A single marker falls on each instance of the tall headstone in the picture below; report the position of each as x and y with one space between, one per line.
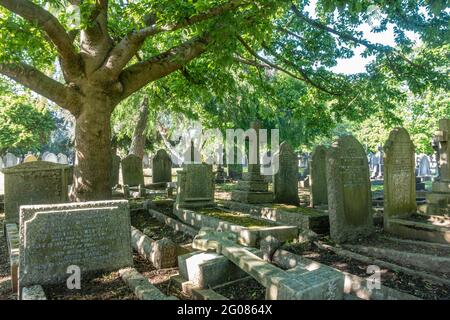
424 167
253 188
285 183
438 201
62 158
132 171
37 182
318 177
195 186
115 169
349 194
161 167
92 236
399 176
10 160
51 157
29 158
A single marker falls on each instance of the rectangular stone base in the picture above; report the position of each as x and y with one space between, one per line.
418 231
251 197
253 186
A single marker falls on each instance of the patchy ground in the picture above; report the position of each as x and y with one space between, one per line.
247 289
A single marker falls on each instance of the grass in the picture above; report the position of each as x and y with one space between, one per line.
236 218
296 209
226 187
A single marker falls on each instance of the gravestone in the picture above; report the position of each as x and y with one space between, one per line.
220 174
10 160
438 201
161 167
115 169
62 158
349 194
424 167
93 236
29 158
1 163
132 171
146 161
235 171
253 188
37 182
399 176
318 177
51 157
285 184
195 186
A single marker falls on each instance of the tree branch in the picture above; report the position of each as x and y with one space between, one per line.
28 76
54 30
277 67
138 75
130 44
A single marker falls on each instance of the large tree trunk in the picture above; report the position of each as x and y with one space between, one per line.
138 142
93 150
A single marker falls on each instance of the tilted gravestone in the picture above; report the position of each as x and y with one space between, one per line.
318 177
161 167
115 169
29 158
93 236
132 171
424 167
349 194
285 183
50 157
62 158
10 160
399 176
37 182
195 186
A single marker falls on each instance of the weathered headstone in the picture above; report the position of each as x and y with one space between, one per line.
195 186
36 182
29 158
349 194
10 160
253 188
62 158
285 183
161 167
220 174
56 239
424 167
115 169
438 201
318 177
51 157
399 176
146 161
132 171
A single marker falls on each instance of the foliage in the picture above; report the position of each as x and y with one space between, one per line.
25 124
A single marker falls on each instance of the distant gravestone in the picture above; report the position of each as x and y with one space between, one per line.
36 182
1 163
399 175
115 169
62 158
424 167
349 194
235 171
50 157
10 160
318 177
93 236
132 172
29 158
161 167
195 186
146 161
285 183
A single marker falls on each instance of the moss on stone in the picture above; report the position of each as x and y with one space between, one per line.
236 218
296 209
